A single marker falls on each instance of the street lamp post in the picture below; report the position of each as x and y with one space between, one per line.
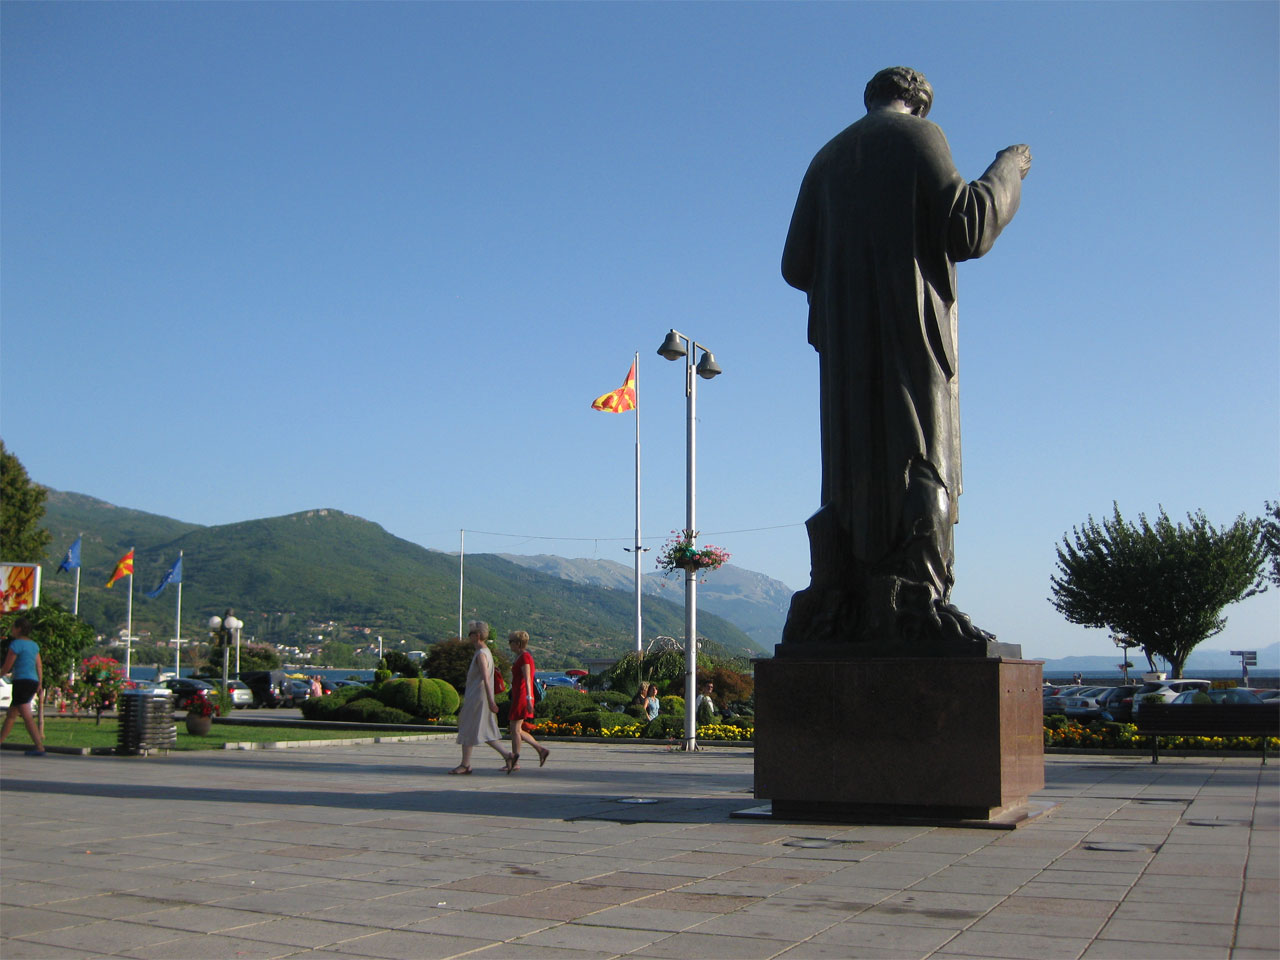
675 346
226 627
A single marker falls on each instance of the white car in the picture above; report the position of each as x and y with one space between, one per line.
1166 690
6 693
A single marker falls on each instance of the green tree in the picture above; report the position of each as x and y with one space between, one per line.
448 660
257 657
63 638
1270 536
21 508
1162 584
400 663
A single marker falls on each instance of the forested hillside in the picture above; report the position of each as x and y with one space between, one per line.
326 574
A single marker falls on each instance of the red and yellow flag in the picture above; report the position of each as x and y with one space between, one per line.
622 399
124 568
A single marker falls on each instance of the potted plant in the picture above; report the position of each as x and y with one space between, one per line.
200 713
682 553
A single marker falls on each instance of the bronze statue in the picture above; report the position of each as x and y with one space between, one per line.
881 221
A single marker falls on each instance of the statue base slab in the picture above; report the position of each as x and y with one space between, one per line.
920 739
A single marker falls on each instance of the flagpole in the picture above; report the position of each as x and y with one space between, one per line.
75 603
462 542
639 621
177 630
128 626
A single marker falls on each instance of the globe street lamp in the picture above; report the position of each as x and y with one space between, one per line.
675 346
227 626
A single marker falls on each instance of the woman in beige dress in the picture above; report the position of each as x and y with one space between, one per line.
478 723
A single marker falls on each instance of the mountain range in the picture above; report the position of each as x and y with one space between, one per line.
324 574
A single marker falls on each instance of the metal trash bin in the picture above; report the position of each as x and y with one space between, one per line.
146 723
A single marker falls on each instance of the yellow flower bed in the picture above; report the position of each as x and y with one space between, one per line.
1125 736
633 729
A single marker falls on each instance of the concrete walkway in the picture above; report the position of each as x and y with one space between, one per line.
373 851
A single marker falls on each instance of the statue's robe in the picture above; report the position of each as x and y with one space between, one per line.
881 220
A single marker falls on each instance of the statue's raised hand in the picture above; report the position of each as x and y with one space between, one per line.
1022 154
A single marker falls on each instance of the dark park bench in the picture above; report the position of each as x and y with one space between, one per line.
1157 720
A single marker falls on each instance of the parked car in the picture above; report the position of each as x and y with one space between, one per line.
1166 690
339 684
271 688
1117 703
301 689
1265 695
1056 702
241 695
146 686
1083 704
6 693
1230 695
185 688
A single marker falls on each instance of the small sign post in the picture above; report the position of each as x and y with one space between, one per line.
1248 658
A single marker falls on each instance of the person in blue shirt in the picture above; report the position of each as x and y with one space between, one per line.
23 661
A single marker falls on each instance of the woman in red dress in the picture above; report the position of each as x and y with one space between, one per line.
522 673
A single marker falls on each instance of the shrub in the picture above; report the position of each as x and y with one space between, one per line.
589 720
665 727
671 706
635 710
561 702
416 697
449 699
614 700
326 707
371 710
729 685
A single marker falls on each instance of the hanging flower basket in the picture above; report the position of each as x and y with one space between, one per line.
682 553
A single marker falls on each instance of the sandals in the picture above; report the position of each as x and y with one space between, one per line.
513 762
460 770
543 753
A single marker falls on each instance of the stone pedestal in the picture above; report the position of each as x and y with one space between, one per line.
898 738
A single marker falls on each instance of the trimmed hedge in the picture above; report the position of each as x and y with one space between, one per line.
419 697
324 708
561 702
371 710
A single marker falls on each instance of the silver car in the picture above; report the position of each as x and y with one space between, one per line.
1166 690
241 695
1083 704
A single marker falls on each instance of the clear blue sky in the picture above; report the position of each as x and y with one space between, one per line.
261 258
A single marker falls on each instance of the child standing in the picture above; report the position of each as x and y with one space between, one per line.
23 661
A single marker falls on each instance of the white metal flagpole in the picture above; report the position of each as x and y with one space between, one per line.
639 550
177 629
75 602
128 629
462 542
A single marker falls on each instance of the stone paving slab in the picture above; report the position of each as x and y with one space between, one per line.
370 850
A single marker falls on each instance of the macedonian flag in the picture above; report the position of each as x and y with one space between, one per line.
622 399
124 568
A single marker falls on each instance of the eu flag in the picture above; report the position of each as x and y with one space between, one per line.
173 576
72 560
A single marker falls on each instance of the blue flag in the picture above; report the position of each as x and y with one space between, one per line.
72 560
173 576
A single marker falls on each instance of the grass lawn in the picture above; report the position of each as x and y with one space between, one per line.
67 732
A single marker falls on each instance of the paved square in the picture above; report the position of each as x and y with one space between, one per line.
372 851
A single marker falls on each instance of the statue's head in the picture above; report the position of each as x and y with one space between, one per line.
899 83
